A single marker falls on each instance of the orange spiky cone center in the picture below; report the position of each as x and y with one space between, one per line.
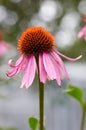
35 40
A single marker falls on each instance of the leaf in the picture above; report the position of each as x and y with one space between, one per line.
76 93
33 123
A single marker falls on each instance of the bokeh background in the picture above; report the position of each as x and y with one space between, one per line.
64 19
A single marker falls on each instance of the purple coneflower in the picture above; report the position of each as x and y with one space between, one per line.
37 49
4 46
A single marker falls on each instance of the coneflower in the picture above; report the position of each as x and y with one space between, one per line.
37 43
4 46
38 54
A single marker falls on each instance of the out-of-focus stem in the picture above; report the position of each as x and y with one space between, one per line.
83 117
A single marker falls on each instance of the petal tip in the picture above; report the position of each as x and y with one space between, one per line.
8 75
79 57
21 86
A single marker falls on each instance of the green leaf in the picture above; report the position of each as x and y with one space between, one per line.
33 123
76 93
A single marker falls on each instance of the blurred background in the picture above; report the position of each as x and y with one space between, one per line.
64 19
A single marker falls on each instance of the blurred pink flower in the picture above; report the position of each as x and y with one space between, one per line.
84 19
4 46
82 33
37 44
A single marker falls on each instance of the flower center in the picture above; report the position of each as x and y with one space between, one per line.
35 40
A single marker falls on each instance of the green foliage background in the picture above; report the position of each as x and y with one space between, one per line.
26 9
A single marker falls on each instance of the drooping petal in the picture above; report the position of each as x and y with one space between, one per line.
29 73
12 72
68 58
17 62
60 62
58 72
43 74
48 65
17 67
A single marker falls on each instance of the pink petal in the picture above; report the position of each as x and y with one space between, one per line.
68 58
17 67
29 73
12 72
60 62
82 33
58 72
43 74
48 65
58 68
17 62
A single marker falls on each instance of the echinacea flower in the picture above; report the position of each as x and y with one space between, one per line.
38 44
84 18
4 46
82 33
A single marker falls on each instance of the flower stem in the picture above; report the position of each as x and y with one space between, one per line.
41 105
83 117
41 100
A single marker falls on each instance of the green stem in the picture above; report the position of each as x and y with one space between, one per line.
41 105
41 100
83 117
